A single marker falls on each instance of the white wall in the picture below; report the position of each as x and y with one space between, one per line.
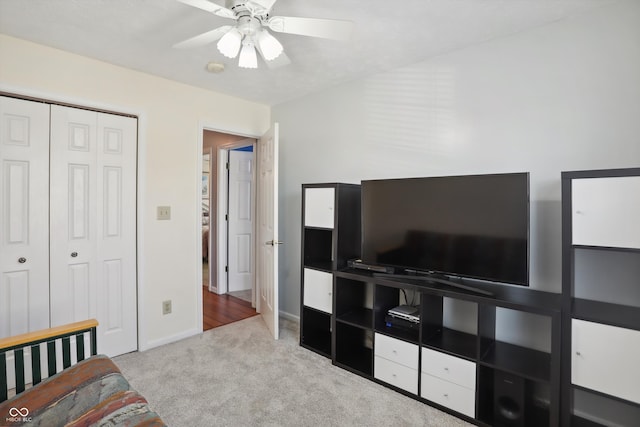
565 96
171 118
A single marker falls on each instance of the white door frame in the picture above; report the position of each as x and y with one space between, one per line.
222 198
209 252
202 127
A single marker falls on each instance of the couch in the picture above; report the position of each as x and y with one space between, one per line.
90 392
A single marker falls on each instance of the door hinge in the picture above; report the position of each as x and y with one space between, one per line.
226 217
227 165
226 268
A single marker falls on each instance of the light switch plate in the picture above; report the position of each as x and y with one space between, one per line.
166 307
164 212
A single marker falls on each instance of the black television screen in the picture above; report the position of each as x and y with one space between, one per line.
474 226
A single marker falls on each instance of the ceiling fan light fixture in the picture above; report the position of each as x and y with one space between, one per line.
270 47
229 44
251 35
248 57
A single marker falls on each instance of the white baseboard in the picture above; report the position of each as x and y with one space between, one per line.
595 419
290 316
192 332
168 340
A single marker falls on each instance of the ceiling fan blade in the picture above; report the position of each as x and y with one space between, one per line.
210 7
267 4
259 7
204 38
312 27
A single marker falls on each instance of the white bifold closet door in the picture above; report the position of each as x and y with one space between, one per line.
93 224
24 216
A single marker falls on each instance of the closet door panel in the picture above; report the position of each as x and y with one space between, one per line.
93 223
116 222
74 291
68 221
79 290
24 213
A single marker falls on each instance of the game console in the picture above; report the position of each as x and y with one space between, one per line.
405 312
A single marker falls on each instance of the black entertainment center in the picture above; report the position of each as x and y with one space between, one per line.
360 272
411 282
401 299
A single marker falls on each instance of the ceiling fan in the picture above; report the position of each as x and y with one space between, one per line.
251 33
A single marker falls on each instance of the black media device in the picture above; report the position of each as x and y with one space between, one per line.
404 317
358 264
474 226
398 323
508 400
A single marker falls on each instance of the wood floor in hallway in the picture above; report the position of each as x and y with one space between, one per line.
220 310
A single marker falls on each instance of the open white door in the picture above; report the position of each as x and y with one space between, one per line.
267 234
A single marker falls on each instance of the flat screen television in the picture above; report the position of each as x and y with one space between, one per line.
474 226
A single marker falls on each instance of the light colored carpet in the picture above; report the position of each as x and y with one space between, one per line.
237 375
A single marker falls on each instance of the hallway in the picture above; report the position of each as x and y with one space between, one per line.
220 310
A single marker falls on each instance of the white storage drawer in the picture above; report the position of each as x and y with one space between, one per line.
396 374
397 351
318 290
605 358
319 207
445 393
449 368
606 211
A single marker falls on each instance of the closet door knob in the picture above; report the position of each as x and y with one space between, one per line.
22 260
74 254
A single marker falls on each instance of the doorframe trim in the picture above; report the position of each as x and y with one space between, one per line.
223 206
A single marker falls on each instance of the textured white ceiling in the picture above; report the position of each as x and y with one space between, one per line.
139 34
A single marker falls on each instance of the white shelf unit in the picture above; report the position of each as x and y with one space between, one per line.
601 297
330 237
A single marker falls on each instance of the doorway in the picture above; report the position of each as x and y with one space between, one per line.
240 222
228 209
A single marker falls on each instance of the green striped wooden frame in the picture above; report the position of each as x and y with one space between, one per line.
19 343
